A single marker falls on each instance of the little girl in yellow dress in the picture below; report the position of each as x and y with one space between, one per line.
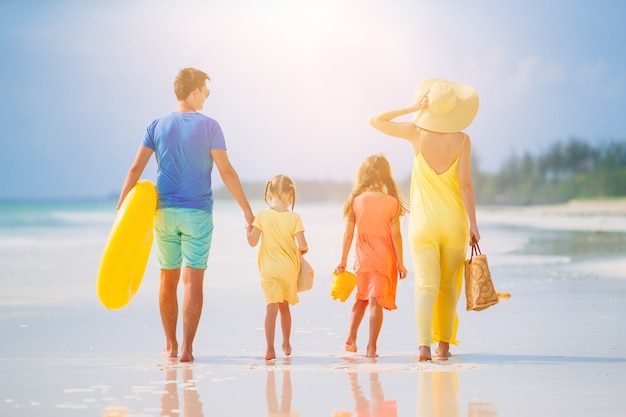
279 257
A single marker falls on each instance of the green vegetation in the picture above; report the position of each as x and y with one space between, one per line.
566 171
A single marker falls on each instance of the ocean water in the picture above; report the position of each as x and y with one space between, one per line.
62 353
50 251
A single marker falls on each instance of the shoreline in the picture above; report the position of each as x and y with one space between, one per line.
613 206
557 335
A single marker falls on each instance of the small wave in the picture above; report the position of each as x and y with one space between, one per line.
83 217
20 216
537 260
553 219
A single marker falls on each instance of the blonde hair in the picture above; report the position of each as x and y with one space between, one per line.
374 175
280 186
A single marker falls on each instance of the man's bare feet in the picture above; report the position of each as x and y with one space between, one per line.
186 356
425 353
170 352
270 354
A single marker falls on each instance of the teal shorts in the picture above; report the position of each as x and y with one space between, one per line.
183 237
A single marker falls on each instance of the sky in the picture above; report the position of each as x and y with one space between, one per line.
294 82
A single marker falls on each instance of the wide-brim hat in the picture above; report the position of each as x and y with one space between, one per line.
451 106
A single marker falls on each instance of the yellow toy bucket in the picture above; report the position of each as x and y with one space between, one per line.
342 286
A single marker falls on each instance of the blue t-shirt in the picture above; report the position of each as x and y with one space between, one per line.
182 143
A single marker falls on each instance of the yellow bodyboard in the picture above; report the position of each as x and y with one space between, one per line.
127 250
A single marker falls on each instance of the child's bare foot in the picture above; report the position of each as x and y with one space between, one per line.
270 354
425 353
350 348
287 349
350 345
371 352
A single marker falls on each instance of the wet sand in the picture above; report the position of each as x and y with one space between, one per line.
557 346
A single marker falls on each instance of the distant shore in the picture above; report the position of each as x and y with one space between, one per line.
599 206
607 215
613 206
332 191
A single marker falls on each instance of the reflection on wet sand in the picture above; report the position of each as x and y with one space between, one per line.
377 406
438 396
170 406
275 407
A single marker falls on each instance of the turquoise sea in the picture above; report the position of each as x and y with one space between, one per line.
558 341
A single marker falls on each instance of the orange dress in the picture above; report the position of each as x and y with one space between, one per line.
376 263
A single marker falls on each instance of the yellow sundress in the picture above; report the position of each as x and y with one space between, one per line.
278 257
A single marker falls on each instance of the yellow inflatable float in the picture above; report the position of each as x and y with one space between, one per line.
127 250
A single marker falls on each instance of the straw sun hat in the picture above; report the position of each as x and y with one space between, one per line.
451 106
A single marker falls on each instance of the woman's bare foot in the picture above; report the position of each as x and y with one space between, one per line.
443 351
425 353
287 348
270 354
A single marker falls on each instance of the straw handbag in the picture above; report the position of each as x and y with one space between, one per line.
305 275
479 290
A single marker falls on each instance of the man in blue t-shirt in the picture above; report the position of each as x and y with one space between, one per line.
186 144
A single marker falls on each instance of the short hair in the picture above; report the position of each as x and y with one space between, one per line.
280 186
187 80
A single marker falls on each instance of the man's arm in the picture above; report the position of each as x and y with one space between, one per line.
231 181
136 169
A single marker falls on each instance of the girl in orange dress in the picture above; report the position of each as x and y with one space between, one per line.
373 210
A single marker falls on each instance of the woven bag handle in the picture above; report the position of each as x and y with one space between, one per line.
476 250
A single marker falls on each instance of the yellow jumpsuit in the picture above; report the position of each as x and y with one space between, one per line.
438 237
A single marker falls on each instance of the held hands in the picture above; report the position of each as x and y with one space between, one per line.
249 218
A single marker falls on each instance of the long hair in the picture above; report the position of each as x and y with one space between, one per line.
280 185
374 174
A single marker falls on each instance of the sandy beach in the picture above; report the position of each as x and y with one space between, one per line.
557 346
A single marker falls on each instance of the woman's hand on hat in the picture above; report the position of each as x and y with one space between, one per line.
419 103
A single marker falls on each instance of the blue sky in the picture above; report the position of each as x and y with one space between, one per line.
294 82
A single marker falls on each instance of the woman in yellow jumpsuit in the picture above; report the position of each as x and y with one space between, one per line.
443 214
